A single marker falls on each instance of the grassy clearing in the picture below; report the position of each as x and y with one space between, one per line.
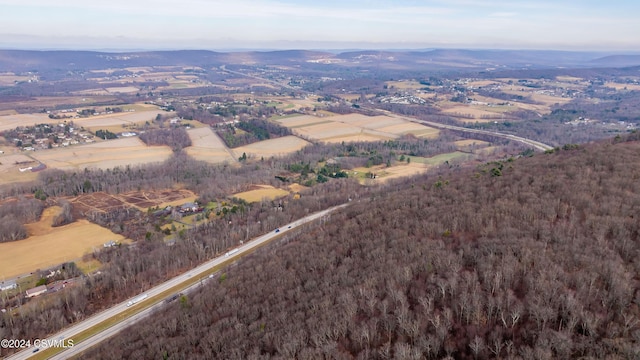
438 159
404 85
266 192
89 266
297 187
470 144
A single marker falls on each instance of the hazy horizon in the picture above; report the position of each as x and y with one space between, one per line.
272 25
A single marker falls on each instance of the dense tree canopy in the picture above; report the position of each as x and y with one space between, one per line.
540 262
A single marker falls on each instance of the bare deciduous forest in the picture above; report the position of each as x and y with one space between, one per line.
175 137
535 258
16 213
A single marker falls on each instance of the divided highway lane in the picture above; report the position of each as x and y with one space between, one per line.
120 308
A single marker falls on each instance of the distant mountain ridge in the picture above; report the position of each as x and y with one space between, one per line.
619 60
29 60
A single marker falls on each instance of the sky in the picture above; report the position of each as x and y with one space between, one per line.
321 24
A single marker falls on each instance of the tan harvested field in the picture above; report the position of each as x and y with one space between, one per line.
301 103
51 101
481 83
399 171
619 86
404 85
8 122
8 79
324 113
122 89
475 110
369 122
186 77
302 121
12 121
410 128
362 137
99 91
295 187
11 162
348 97
104 155
384 173
52 246
8 112
273 147
490 150
328 130
568 78
470 143
262 192
207 146
477 113
10 165
117 119
541 108
545 99
354 127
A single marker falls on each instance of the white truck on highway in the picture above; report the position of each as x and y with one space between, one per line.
229 253
137 300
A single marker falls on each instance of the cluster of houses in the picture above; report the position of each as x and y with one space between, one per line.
184 209
38 290
44 136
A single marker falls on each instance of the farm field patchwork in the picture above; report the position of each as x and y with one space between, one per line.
104 155
354 127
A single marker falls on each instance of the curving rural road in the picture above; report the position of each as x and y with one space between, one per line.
535 144
74 330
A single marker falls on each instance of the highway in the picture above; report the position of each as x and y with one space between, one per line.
105 315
